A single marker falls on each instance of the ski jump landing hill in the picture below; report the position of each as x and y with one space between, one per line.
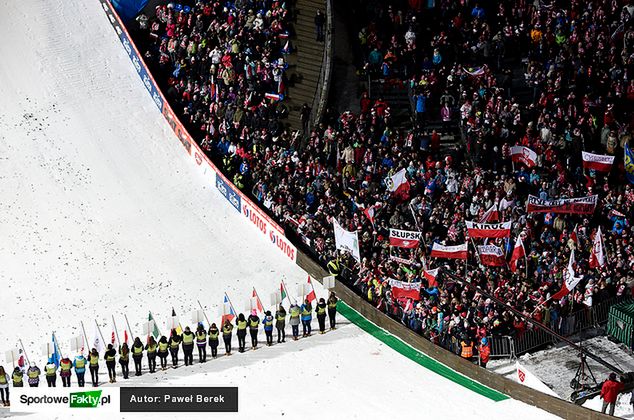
102 213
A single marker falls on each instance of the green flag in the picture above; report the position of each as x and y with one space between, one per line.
155 331
282 291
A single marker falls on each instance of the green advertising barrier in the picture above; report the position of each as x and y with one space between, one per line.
621 323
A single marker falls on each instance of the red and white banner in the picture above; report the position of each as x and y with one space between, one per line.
488 230
600 163
267 227
401 289
579 205
404 238
570 281
453 251
431 275
491 255
521 154
597 256
518 252
397 182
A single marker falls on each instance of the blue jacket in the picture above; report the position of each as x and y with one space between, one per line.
80 370
267 319
306 317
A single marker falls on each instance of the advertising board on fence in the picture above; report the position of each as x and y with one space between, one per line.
227 190
239 201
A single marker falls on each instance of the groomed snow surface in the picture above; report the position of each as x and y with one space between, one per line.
102 213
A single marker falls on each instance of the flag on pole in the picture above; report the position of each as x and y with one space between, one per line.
597 257
55 356
575 236
524 155
228 312
155 331
311 295
600 163
178 328
370 213
518 252
431 275
97 342
491 215
452 251
346 241
284 293
491 255
397 183
570 281
260 307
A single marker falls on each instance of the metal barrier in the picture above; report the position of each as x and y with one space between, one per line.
501 346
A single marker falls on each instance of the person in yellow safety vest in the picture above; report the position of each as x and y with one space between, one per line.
51 373
110 356
213 339
163 345
268 327
294 320
137 356
238 181
65 366
4 387
80 369
332 309
227 328
201 343
174 341
334 268
151 348
18 377
241 323
124 360
93 365
320 310
254 324
466 351
280 324
33 374
188 346
307 317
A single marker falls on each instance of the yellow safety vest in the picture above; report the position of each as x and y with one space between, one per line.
17 379
50 369
137 350
321 310
3 379
280 316
162 347
65 366
242 325
94 360
226 329
80 363
201 336
33 373
295 312
332 303
188 338
213 334
174 344
254 323
151 348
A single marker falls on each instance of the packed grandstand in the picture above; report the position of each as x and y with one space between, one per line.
539 94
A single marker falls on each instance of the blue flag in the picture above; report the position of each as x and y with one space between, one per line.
629 164
56 356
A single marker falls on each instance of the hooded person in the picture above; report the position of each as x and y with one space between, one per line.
280 324
51 373
320 311
188 346
254 324
268 327
241 325
137 355
65 367
294 319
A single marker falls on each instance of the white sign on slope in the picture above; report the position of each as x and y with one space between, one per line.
525 377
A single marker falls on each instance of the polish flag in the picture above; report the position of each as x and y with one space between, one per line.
491 215
454 251
370 213
491 255
521 154
311 295
488 230
600 163
570 281
397 183
259 305
431 275
404 238
597 257
518 252
575 235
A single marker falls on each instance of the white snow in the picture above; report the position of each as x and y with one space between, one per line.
102 213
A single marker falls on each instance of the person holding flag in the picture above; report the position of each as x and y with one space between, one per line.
137 356
51 372
254 324
94 366
227 329
201 343
268 327
33 375
174 342
332 309
80 369
241 323
151 349
124 360
17 377
213 339
65 366
294 319
320 310
280 323
110 357
163 345
188 346
307 317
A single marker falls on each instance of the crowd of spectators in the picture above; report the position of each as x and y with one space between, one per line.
461 59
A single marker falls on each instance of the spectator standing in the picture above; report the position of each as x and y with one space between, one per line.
320 22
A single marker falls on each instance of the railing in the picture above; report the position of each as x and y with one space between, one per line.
566 326
321 97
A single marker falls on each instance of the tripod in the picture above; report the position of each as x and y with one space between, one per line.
583 375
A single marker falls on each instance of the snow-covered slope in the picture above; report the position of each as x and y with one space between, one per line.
101 214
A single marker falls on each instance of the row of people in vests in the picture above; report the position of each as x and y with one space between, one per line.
187 340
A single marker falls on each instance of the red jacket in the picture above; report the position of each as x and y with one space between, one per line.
610 390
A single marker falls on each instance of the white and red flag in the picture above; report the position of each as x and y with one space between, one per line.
404 238
522 154
518 252
491 215
597 256
570 281
401 289
397 183
311 295
488 230
431 275
258 303
600 163
574 235
453 252
491 255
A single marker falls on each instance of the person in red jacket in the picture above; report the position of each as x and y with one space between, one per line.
484 349
609 392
